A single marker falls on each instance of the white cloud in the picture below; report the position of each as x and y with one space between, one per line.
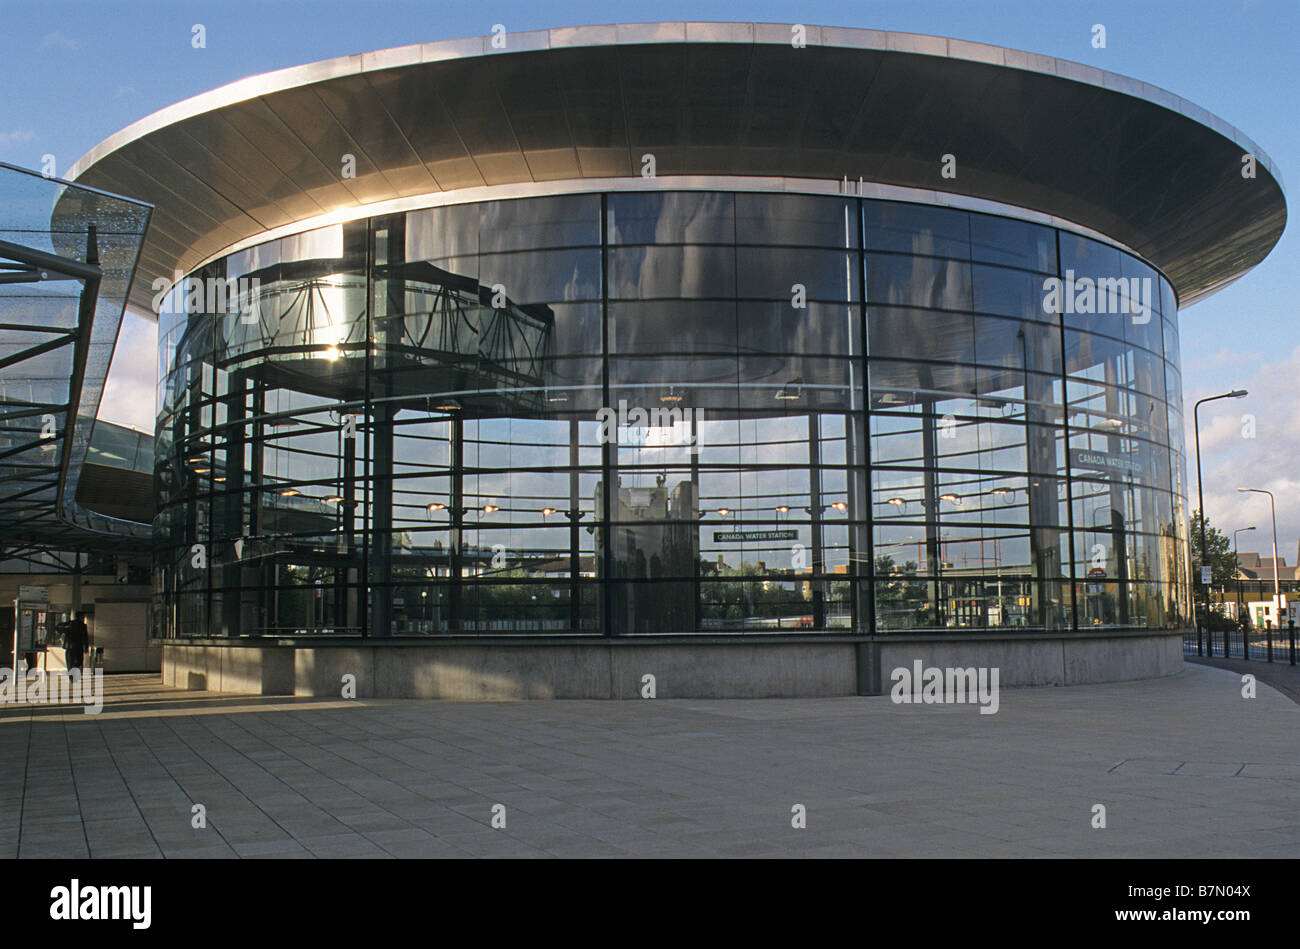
16 137
1268 460
129 392
59 40
1224 358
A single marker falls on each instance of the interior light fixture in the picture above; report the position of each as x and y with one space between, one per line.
671 394
547 511
840 506
490 508
447 405
897 502
289 492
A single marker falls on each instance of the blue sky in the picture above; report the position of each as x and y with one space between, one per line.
75 72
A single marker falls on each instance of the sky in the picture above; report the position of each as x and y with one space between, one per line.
76 72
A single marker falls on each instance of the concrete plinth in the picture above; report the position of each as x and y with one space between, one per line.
681 668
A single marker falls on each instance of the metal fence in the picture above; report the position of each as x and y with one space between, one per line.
1266 645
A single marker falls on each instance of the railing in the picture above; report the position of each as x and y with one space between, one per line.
1266 645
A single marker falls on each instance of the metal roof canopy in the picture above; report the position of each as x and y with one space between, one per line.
1111 154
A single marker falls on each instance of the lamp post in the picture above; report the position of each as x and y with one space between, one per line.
1277 592
1200 495
1236 563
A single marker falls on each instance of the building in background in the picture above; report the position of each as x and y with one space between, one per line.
1251 596
677 349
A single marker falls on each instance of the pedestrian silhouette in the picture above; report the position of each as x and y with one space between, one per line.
76 639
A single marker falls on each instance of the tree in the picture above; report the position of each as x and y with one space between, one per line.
901 598
1223 566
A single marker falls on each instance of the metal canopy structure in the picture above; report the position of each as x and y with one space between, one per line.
1118 156
62 292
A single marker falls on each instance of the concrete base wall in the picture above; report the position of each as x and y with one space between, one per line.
604 670
122 629
255 670
1026 662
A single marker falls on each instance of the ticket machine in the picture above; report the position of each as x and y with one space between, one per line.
34 624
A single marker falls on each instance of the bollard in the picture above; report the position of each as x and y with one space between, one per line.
1268 631
1290 627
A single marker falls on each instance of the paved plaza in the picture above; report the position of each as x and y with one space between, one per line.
1184 766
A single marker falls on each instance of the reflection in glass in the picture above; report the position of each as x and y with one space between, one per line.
724 414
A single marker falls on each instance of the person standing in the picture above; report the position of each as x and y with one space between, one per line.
78 639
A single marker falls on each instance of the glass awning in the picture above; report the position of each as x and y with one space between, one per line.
67 257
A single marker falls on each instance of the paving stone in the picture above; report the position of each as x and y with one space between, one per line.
1184 767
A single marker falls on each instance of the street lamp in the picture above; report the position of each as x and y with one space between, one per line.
1236 563
1277 592
1200 494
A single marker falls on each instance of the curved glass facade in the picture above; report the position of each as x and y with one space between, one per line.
671 412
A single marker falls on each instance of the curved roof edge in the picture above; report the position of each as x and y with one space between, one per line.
1111 154
624 34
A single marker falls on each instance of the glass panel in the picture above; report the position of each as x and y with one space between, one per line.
999 240
916 229
796 220
920 334
777 273
1009 293
821 329
569 221
547 276
442 233
671 217
918 281
639 273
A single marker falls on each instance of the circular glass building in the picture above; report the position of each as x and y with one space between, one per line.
677 349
